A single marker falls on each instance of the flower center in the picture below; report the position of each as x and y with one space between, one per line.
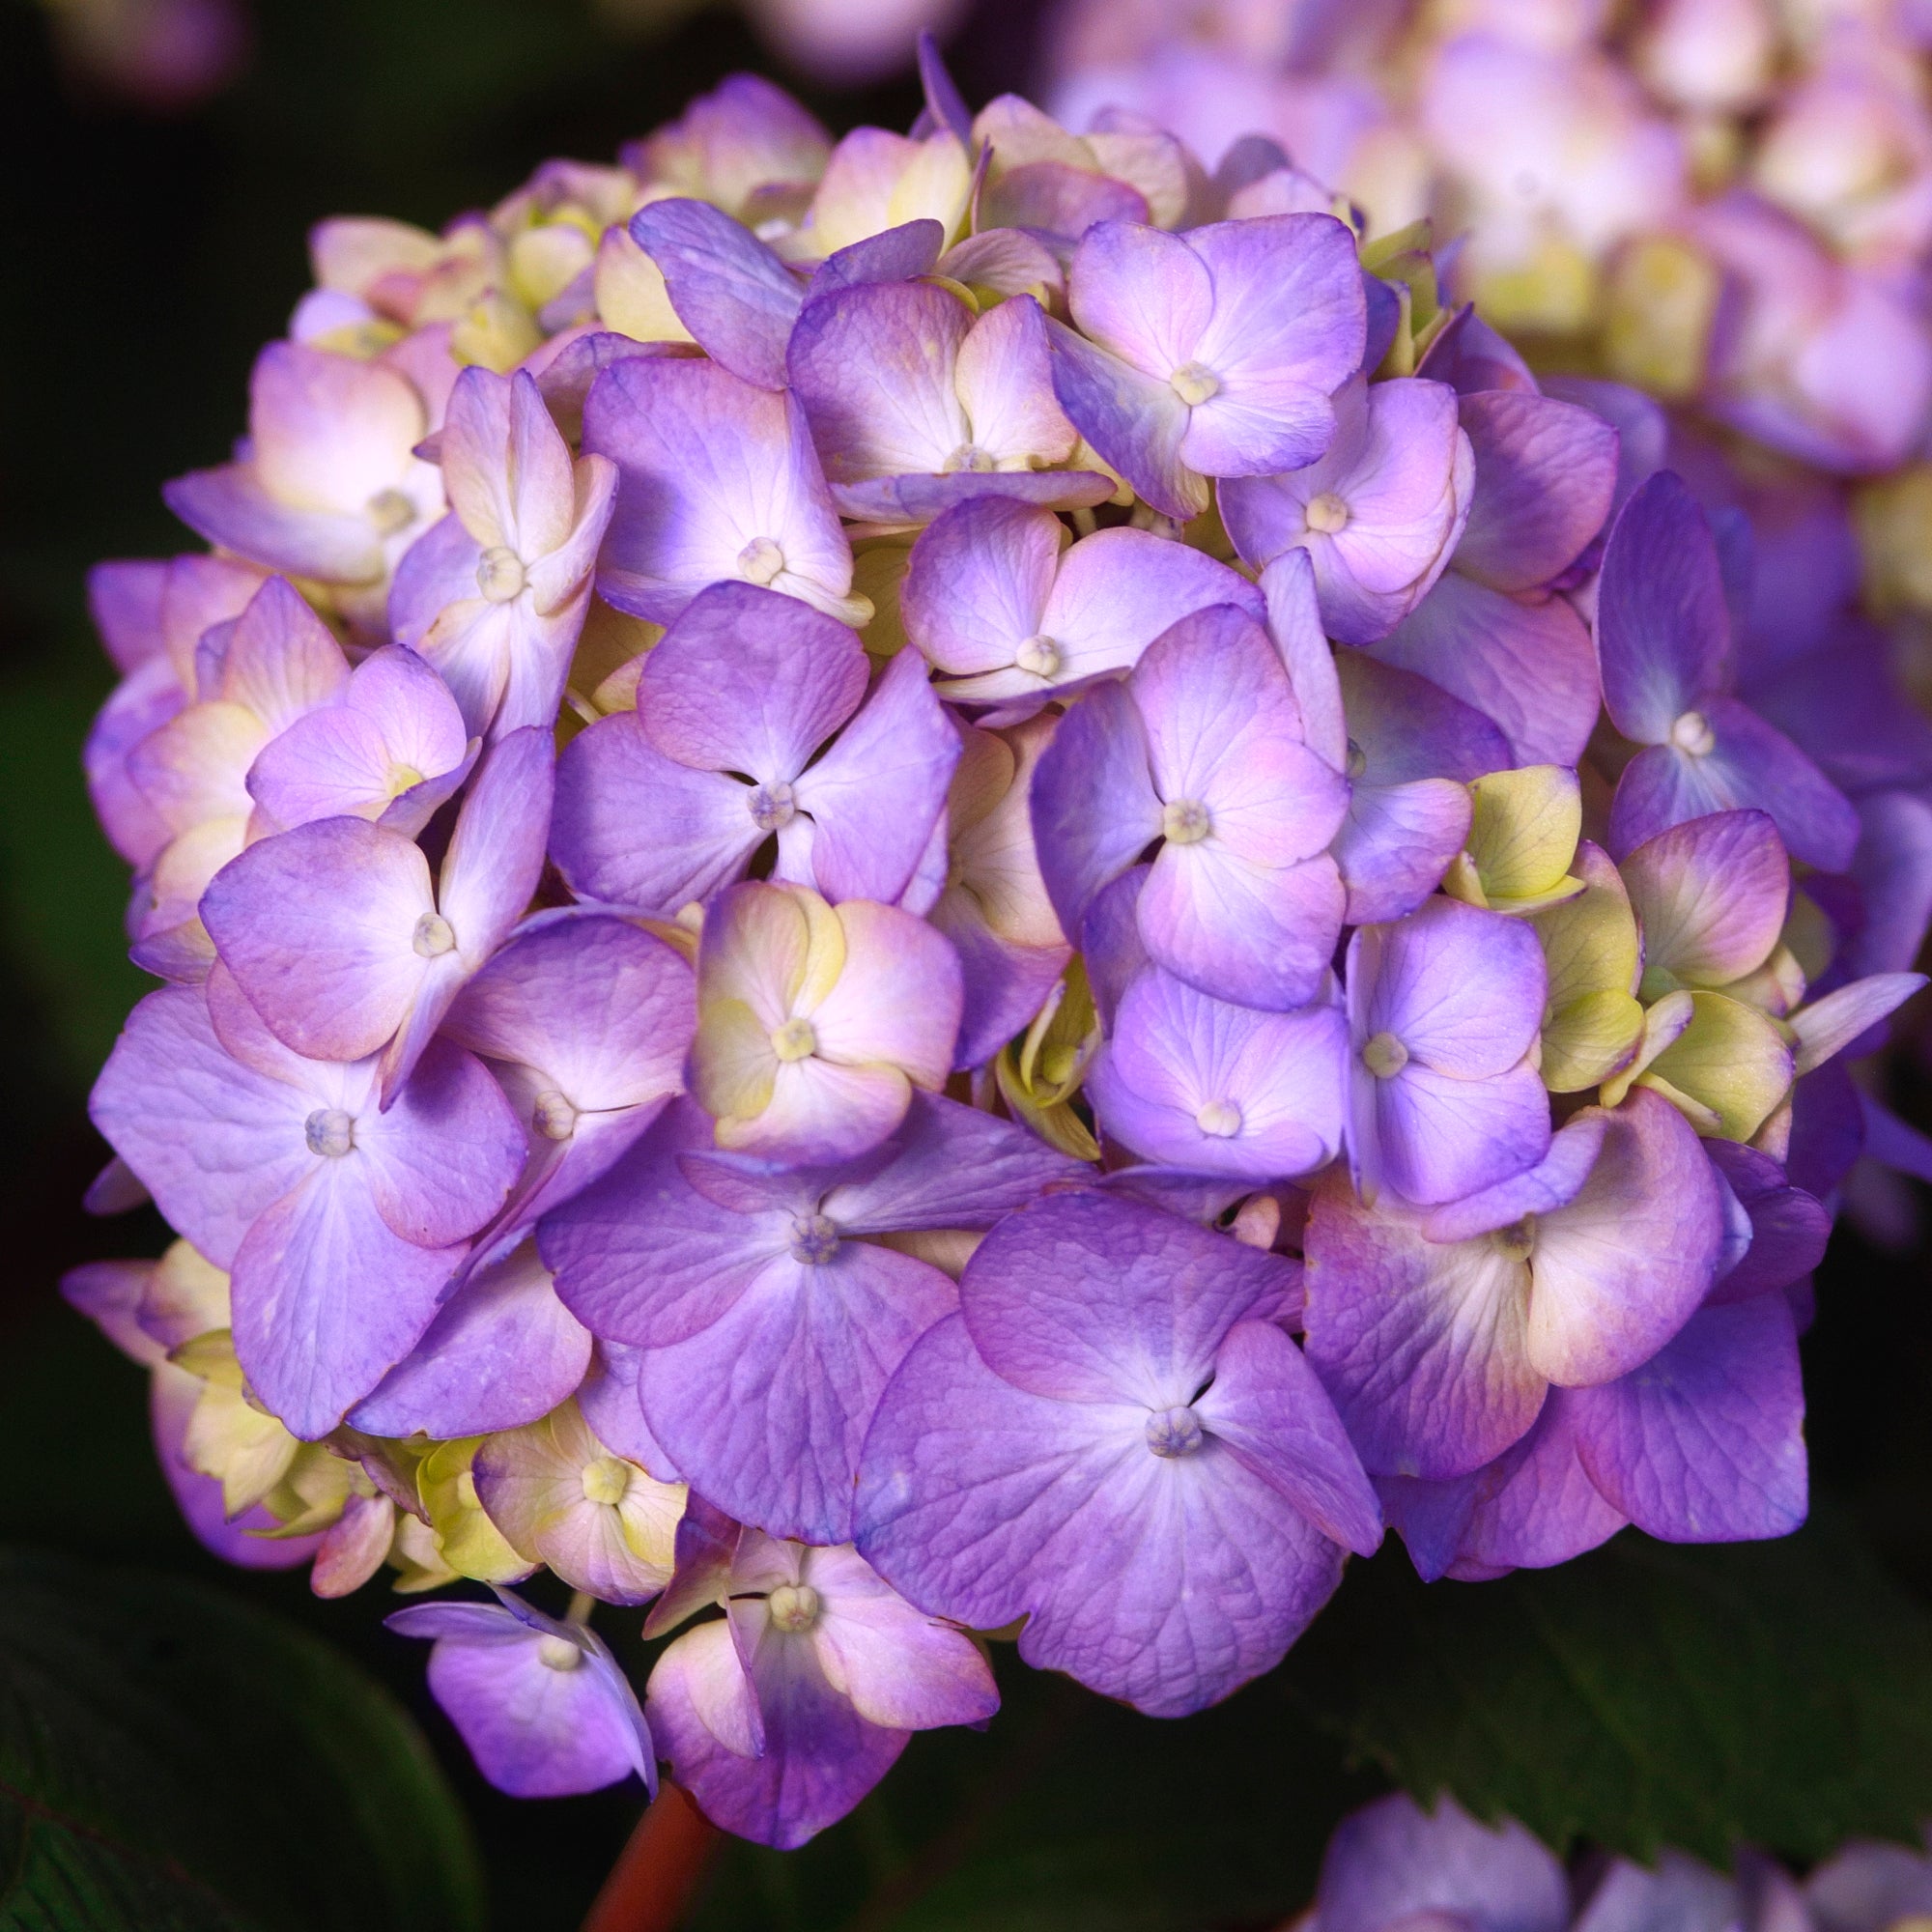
1692 733
1384 1055
969 456
1194 384
1038 655
390 511
795 1040
433 937
329 1132
1174 1432
1220 1118
606 1480
554 1115
1184 821
793 1607
760 560
1515 1242
771 807
499 574
815 1239
558 1653
402 779
1327 513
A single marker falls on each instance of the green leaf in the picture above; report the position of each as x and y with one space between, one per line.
1645 1695
173 1762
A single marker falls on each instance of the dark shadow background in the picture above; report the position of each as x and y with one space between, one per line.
142 263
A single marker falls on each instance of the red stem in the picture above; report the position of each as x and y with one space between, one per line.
657 1872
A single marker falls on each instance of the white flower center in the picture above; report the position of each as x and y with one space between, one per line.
558 1653
433 937
329 1132
795 1040
1220 1118
554 1114
760 560
969 456
1038 655
1184 821
793 1607
499 574
1174 1432
606 1480
1692 733
1327 513
1384 1055
771 807
1194 384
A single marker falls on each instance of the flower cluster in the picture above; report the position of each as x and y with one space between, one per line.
1393 1863
1722 200
946 886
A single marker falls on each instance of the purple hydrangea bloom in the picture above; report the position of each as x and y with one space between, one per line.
769 1305
1115 1440
999 601
338 938
915 405
1663 635
496 594
392 749
1439 1331
339 1221
1199 1084
716 479
1202 749
782 1713
1213 353
1443 1011
1380 513
753 720
1393 1863
542 1704
586 1020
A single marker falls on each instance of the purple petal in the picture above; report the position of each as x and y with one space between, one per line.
985 1504
1212 1088
535 1731
1663 629
876 795
214 1140
764 1409
502 1350
1534 1507
1055 198
1788 1227
497 852
1086 1298
1142 295
977 582
1439 1137
716 479
893 255
1710 896
1528 665
1463 989
1093 802
317 926
737 298
1392 1862
1545 472
1136 421
1423 1346
328 1298
610 781
1705 1443
820 1757
1268 1408
1396 843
